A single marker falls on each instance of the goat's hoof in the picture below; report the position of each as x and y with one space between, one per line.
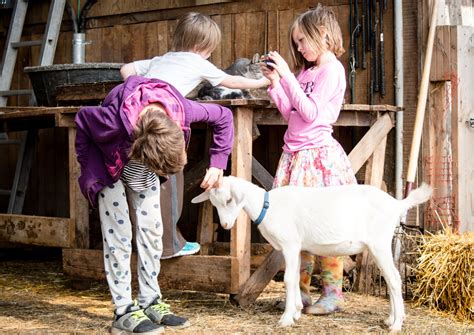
286 322
388 321
396 327
297 315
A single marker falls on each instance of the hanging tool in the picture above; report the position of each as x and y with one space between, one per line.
364 32
421 105
382 50
375 62
354 29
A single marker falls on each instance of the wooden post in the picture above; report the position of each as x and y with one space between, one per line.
241 167
78 204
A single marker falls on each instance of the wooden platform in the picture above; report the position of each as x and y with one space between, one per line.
225 274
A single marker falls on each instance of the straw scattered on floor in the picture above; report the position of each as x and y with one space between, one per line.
445 274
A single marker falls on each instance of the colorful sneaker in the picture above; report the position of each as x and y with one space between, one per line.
134 321
190 248
160 313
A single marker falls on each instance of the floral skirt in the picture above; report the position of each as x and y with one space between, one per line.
318 167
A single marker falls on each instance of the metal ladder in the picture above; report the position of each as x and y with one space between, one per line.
27 141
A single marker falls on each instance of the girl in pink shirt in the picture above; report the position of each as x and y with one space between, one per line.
310 103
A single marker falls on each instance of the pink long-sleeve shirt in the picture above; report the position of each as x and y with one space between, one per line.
310 104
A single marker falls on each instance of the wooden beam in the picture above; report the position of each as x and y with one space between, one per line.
197 273
37 230
366 146
78 204
250 291
261 174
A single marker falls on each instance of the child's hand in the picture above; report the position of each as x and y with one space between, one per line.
279 64
212 179
271 75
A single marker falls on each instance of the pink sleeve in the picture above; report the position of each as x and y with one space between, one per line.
281 100
326 95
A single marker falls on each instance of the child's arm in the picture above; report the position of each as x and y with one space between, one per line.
221 120
276 92
320 99
127 70
243 82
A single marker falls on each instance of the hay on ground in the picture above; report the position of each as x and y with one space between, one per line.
445 273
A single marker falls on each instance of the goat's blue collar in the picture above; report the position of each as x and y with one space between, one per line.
266 204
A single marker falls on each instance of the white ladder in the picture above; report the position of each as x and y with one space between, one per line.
48 43
13 42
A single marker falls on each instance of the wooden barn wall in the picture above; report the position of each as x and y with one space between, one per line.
123 31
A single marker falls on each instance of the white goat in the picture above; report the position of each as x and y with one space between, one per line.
327 221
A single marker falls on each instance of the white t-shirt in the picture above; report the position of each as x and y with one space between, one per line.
183 70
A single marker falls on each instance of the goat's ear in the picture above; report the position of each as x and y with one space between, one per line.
201 198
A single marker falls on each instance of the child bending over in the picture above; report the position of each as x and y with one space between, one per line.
138 133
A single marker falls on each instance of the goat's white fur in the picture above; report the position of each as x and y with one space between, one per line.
327 221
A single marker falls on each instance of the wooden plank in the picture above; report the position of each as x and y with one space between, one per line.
463 132
206 227
78 205
36 230
241 167
366 146
375 165
250 291
197 273
84 94
261 174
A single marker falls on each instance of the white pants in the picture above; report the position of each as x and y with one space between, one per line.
116 223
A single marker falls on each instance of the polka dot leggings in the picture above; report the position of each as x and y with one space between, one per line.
116 223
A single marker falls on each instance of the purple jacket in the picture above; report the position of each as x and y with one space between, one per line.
104 135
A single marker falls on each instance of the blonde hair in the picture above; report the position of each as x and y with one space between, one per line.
314 24
159 143
196 32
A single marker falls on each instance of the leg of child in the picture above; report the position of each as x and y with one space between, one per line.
171 208
306 272
146 213
117 235
331 299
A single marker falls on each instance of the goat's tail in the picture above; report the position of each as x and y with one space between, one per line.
418 196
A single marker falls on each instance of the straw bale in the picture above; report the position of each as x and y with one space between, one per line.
445 274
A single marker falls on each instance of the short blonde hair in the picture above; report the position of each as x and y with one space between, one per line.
159 143
196 32
313 24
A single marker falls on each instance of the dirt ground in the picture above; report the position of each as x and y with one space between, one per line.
37 298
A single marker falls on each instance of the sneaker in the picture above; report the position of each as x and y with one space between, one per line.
160 313
134 321
190 248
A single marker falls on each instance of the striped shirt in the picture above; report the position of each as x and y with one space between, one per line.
138 176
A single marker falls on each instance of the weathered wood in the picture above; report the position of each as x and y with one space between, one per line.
261 174
250 291
241 166
206 227
78 205
37 230
84 94
198 273
366 146
193 177
375 165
